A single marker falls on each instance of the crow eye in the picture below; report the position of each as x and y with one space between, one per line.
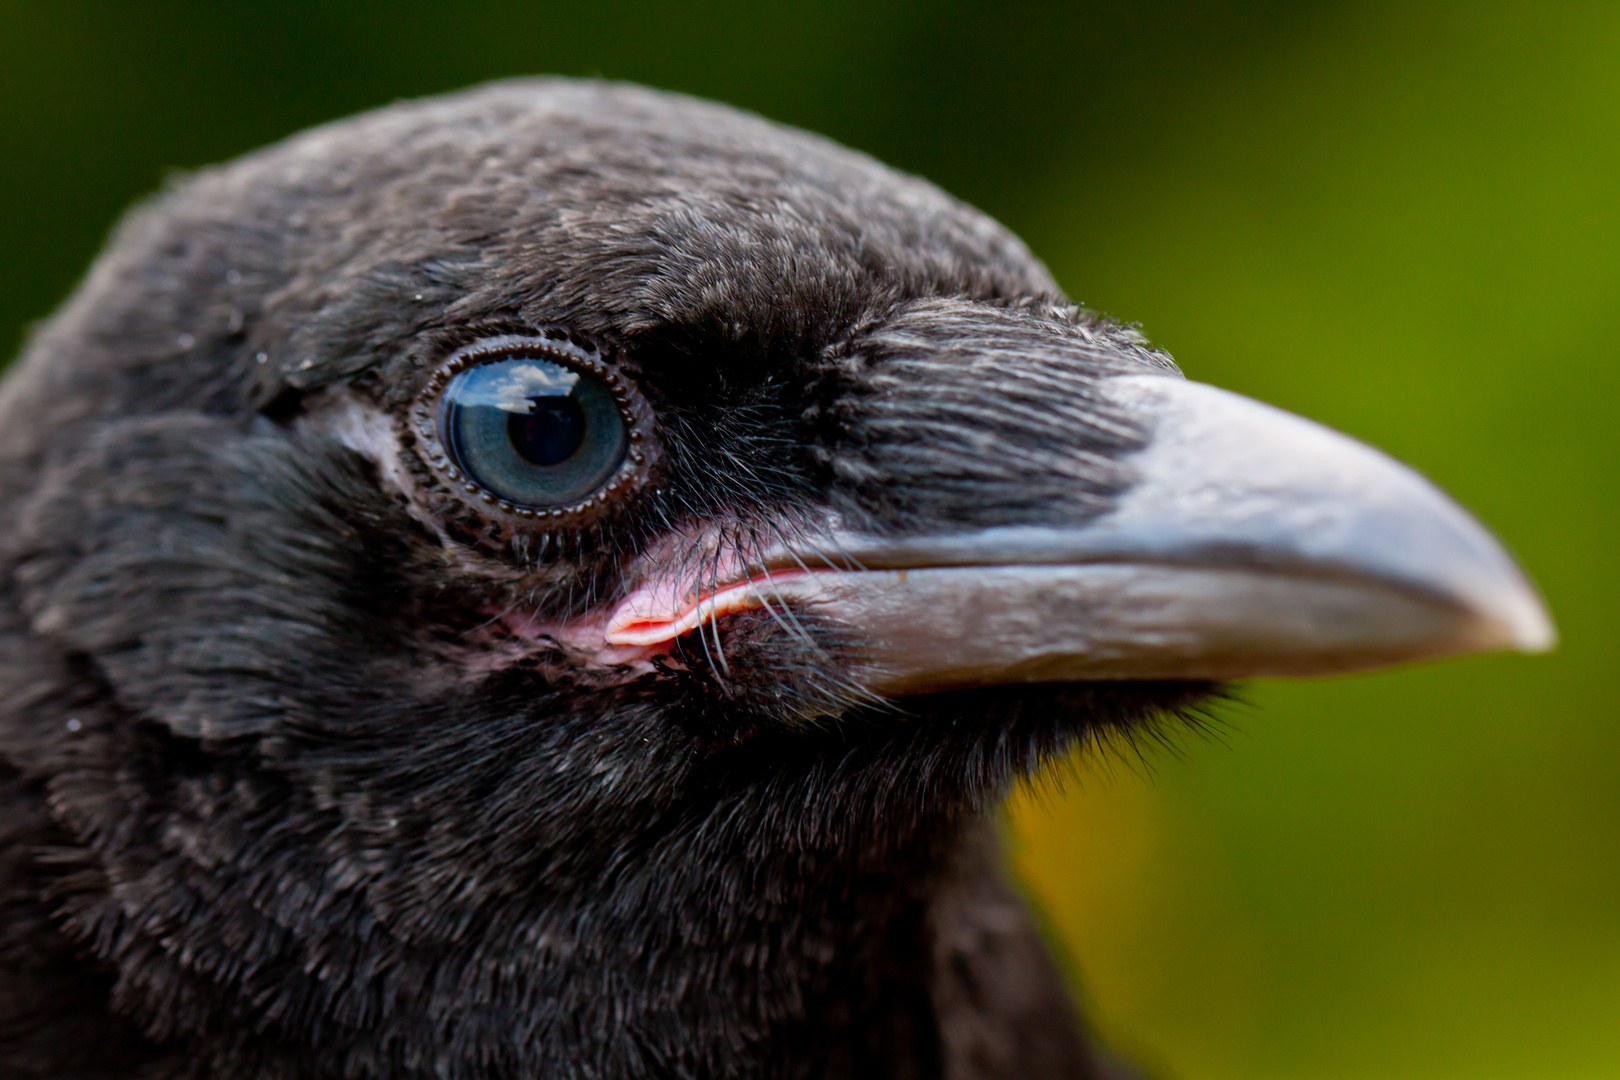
532 424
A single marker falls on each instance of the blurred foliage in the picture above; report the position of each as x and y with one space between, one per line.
1403 220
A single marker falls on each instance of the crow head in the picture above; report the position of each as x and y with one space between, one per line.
541 582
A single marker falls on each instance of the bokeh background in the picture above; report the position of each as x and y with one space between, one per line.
1401 219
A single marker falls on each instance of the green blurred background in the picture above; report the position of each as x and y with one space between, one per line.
1401 219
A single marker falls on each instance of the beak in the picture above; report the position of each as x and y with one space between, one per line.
1250 542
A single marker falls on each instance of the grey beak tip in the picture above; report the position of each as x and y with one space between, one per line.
1283 477
1522 622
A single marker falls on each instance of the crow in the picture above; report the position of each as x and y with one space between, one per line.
553 581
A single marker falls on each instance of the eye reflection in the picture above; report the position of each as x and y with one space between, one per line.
532 431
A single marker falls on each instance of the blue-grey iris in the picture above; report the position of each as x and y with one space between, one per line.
532 431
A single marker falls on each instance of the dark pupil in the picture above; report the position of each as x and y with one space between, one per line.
551 433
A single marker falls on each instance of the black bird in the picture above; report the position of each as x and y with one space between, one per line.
549 582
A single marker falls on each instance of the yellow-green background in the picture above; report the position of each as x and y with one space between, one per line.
1400 218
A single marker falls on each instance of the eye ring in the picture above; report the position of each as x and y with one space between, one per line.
553 348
